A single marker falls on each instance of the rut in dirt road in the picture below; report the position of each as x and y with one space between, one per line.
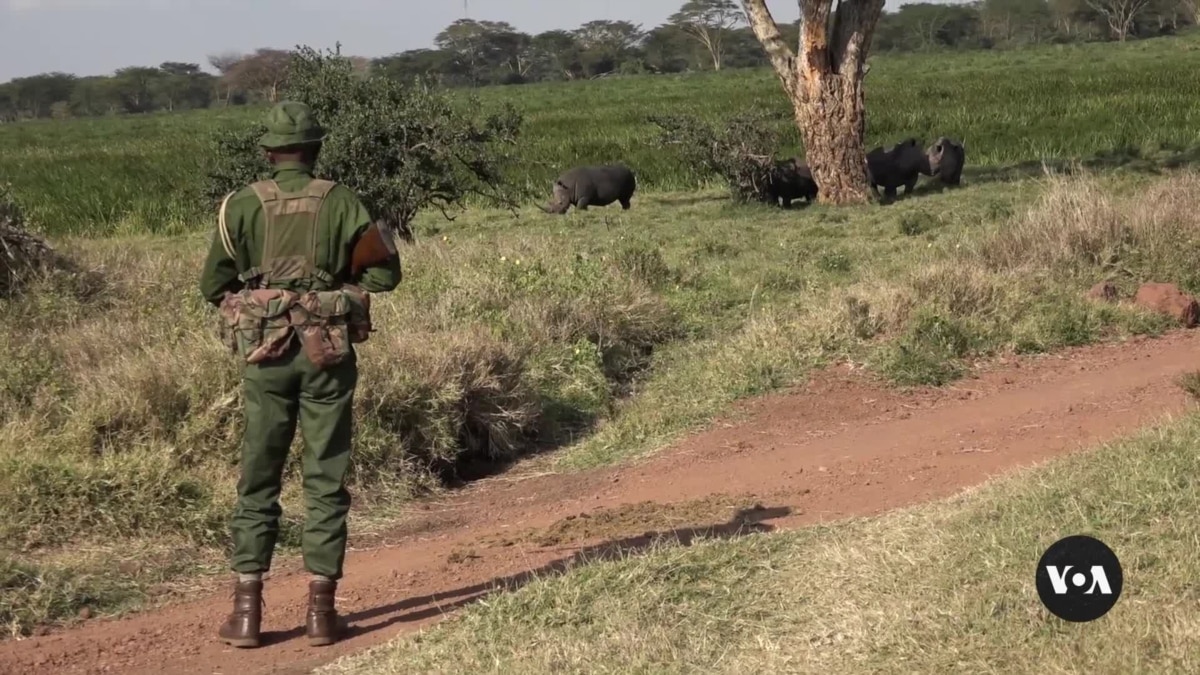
840 446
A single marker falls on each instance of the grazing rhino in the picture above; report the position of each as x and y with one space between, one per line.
901 164
585 186
791 179
946 159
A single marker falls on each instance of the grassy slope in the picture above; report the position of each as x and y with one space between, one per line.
940 588
492 330
541 324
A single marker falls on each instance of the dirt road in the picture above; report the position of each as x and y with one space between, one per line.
840 446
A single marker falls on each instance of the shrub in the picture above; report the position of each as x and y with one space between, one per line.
741 150
402 147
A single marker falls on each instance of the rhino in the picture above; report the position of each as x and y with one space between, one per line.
585 186
946 159
791 179
901 164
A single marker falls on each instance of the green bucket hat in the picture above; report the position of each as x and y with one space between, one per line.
291 123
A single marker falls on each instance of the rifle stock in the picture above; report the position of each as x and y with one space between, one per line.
376 246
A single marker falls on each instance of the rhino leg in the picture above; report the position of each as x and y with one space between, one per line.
585 195
955 176
873 178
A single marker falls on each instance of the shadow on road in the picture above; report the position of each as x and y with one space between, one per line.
744 522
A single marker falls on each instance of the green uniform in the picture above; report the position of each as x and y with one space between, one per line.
290 390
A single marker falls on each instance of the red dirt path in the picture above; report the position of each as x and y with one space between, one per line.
840 446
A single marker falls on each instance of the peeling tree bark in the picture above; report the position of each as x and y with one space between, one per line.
824 80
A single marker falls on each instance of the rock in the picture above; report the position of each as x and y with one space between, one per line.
1170 300
1104 291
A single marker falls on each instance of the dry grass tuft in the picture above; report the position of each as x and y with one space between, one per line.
1079 228
466 399
1190 383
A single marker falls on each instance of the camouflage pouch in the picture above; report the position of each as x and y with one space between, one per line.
359 318
322 322
257 324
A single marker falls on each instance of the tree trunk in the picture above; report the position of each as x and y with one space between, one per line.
832 123
824 81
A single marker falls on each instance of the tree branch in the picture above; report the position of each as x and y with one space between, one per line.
767 32
854 24
815 58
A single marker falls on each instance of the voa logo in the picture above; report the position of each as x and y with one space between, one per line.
1058 579
1079 578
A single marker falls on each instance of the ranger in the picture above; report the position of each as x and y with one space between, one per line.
288 273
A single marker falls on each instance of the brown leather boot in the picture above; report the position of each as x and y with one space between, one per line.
244 625
322 622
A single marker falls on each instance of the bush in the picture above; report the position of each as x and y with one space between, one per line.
741 151
402 147
22 253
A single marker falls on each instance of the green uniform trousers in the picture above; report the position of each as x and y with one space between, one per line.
278 394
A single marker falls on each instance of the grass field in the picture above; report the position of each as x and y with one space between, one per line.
946 587
1107 102
604 334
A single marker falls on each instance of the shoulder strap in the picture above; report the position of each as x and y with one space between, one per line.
319 188
267 190
223 227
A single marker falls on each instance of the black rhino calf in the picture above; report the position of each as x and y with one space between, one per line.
585 186
791 179
946 160
901 164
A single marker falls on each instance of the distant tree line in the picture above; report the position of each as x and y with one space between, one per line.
701 35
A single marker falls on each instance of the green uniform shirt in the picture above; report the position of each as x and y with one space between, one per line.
342 220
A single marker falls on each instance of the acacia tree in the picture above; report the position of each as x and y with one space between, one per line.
824 80
264 71
557 52
708 22
606 45
224 64
1120 14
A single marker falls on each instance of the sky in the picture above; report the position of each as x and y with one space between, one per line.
95 37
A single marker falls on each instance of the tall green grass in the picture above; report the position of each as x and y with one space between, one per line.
1110 102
